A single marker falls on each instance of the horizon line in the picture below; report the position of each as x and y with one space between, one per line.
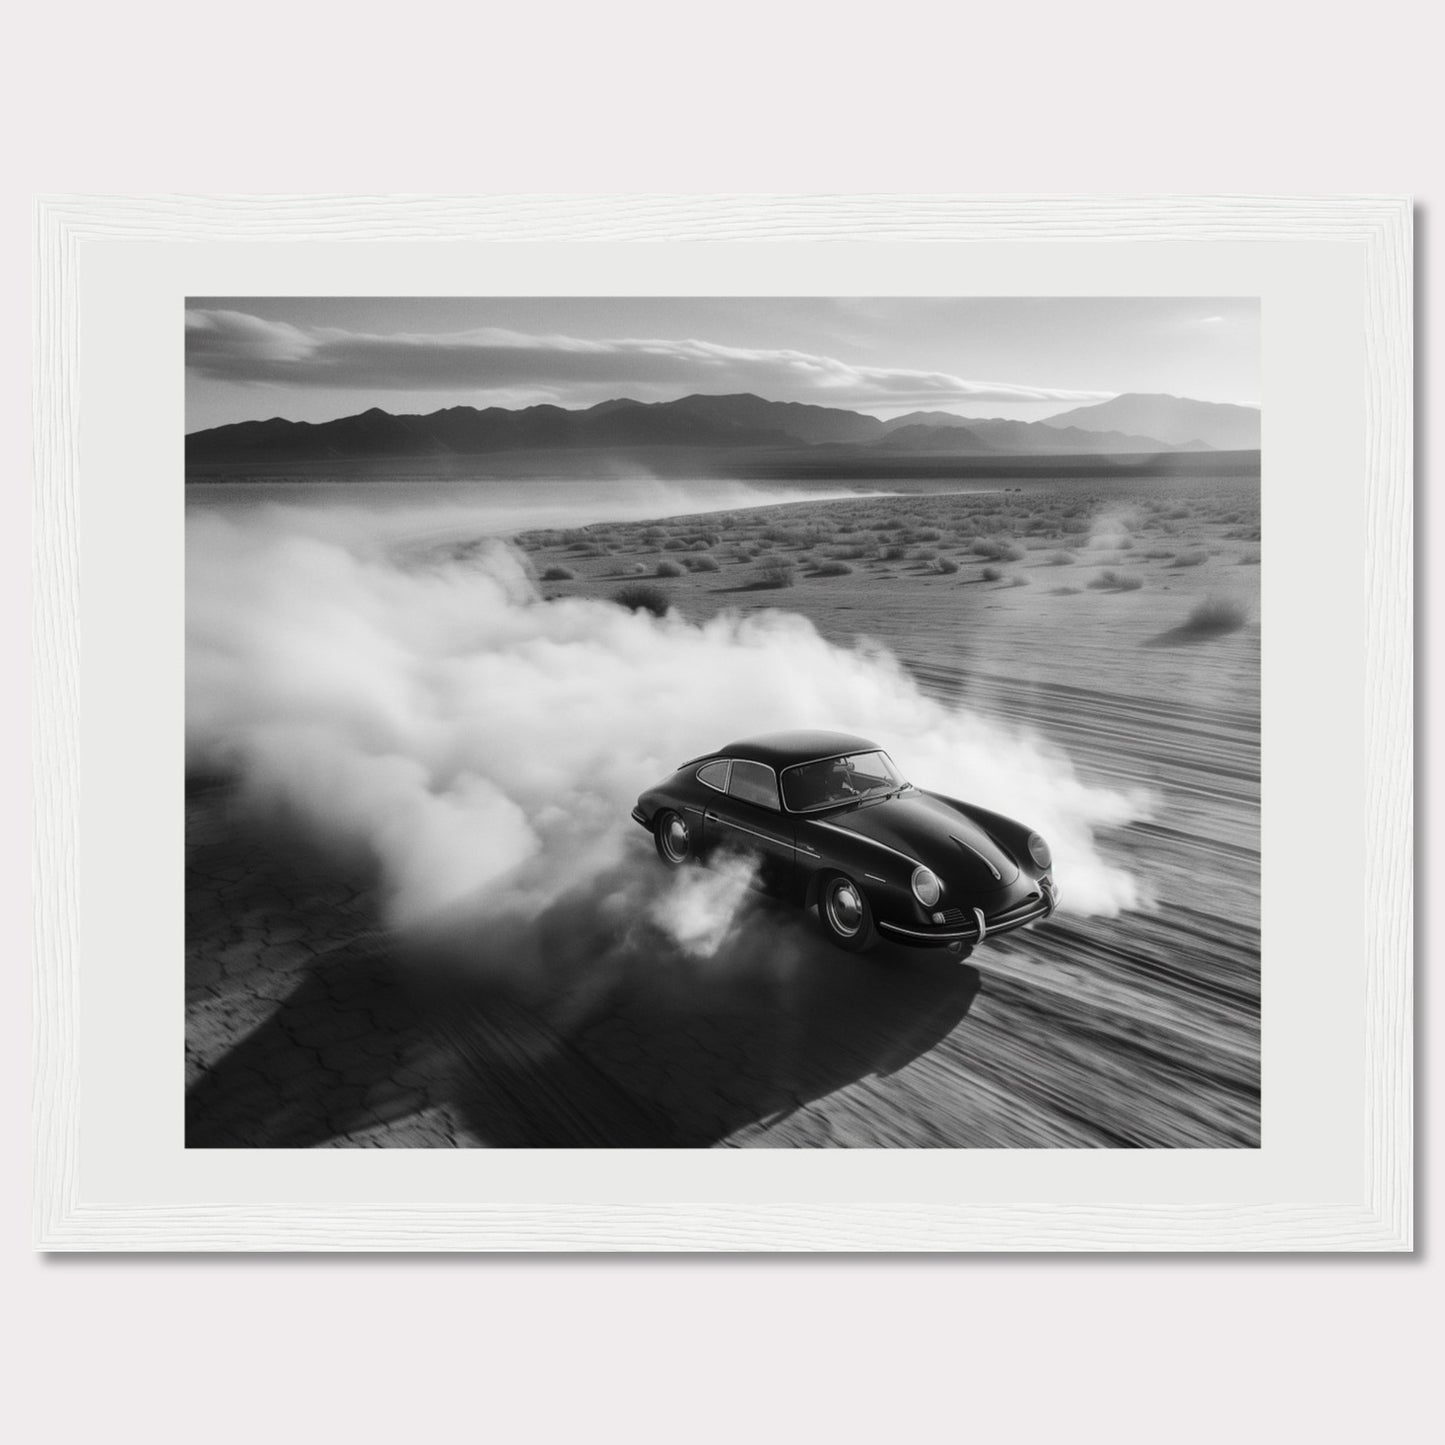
610 401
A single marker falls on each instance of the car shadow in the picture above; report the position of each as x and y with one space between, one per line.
571 1036
573 1031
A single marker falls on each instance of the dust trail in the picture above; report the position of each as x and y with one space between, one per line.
484 748
375 515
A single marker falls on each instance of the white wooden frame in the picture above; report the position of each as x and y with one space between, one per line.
1379 1219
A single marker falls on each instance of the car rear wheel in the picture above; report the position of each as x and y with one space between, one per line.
846 917
673 838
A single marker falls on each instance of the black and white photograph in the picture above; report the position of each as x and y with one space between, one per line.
683 722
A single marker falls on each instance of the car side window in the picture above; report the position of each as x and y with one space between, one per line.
715 775
754 783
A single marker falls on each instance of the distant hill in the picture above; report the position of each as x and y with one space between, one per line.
1026 438
1177 420
927 418
732 422
798 420
705 421
467 431
959 440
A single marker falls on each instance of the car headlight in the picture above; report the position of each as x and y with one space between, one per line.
926 887
1039 851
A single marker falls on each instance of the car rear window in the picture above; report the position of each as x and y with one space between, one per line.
715 775
754 783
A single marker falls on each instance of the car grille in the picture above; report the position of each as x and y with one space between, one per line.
1025 909
1032 906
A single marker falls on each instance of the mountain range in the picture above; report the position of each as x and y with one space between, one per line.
1130 423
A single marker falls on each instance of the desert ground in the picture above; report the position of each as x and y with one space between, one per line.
1117 618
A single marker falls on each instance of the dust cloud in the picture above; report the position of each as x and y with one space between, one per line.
482 748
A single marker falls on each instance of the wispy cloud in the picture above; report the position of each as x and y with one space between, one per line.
233 346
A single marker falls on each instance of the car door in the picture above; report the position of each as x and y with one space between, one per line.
746 818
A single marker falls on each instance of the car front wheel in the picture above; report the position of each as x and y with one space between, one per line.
846 917
674 840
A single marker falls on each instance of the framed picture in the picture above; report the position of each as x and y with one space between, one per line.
724 723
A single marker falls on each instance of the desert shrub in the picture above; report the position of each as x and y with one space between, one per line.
1214 617
704 562
775 573
642 597
998 551
1159 554
847 554
1062 559
893 552
924 534
1112 581
1018 581
1250 559
992 574
925 554
558 574
832 568
674 544
667 569
1192 558
945 566
847 526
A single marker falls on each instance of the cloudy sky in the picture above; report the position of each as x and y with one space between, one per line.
314 358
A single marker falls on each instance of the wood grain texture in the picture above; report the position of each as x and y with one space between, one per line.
1381 1221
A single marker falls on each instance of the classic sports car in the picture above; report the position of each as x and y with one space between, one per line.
833 826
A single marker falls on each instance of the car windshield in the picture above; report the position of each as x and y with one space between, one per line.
831 782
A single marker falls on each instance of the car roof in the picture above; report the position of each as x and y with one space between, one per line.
781 750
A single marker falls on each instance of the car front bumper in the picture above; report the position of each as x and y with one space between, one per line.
1040 903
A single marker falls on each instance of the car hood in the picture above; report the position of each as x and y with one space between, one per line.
930 831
